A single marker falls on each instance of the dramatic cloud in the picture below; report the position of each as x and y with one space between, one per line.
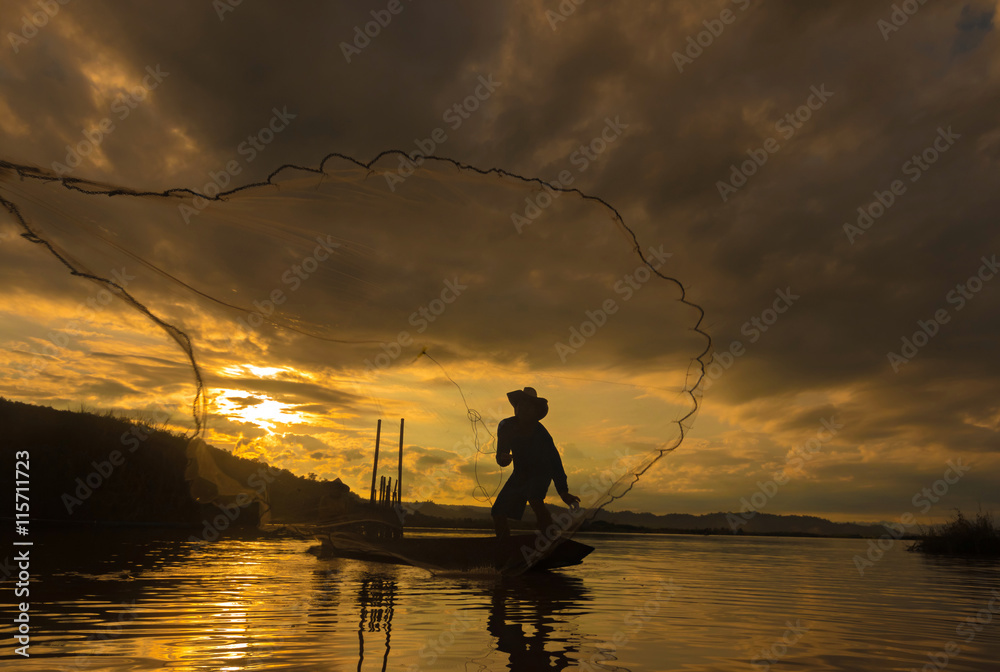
821 174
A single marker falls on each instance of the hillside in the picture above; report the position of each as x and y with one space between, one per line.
86 468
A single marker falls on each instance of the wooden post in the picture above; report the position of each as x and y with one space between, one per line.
399 476
378 434
388 491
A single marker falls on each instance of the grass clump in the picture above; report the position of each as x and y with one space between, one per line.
962 536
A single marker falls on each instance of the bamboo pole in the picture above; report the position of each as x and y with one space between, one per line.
399 476
378 434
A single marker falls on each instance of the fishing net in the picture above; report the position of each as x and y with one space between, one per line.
394 290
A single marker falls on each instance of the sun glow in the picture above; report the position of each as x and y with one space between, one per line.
259 371
258 409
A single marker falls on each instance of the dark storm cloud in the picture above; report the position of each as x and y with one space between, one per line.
107 389
973 24
894 95
312 408
243 402
425 461
226 76
785 228
150 372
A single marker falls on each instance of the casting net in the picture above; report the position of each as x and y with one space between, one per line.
383 290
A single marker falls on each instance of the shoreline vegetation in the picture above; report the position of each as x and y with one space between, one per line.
962 536
110 470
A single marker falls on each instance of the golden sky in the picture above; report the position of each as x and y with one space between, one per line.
737 139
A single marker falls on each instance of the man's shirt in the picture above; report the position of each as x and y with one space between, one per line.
536 459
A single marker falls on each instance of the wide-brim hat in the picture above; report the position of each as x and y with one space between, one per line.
530 395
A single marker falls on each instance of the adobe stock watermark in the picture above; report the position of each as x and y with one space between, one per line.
923 501
564 10
597 486
436 646
723 360
966 631
59 339
250 149
787 126
92 643
454 116
32 22
544 539
767 490
898 17
223 7
914 168
929 496
258 481
464 447
973 625
581 158
590 495
87 485
633 623
293 277
121 108
421 318
363 36
626 287
771 655
928 329
697 44
755 326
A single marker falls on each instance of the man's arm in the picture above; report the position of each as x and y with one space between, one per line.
559 474
503 445
556 466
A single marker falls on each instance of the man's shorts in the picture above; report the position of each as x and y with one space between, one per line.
516 493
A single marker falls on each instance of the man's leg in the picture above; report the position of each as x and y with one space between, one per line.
542 515
501 526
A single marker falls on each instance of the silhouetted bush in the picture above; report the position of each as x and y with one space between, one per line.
962 536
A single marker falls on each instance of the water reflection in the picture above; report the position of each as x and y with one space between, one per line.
377 600
528 619
120 602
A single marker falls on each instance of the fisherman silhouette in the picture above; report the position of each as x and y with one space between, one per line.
525 440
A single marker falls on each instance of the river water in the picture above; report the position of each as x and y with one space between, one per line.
103 601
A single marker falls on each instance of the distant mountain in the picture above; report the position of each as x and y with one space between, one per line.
761 523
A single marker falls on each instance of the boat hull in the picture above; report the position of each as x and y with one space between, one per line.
465 554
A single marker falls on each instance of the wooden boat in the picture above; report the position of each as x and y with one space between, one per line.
374 532
463 554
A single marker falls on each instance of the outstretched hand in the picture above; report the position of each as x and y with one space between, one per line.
571 500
